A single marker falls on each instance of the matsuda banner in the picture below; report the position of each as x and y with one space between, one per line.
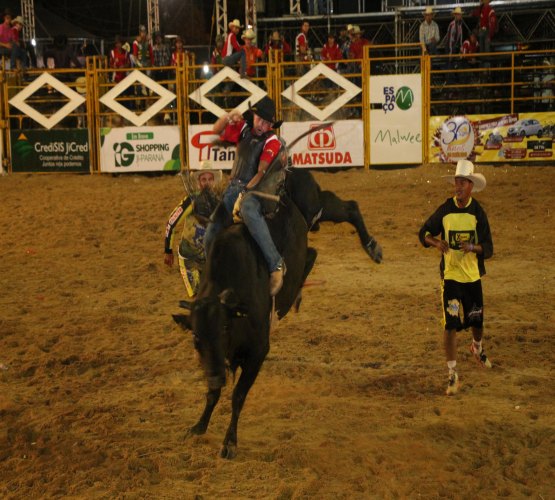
492 138
58 150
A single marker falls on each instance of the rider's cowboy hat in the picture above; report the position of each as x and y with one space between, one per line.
465 169
266 109
457 10
235 23
428 10
250 34
206 166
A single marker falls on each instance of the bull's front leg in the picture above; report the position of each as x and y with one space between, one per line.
247 378
212 397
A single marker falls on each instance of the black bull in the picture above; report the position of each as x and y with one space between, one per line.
230 317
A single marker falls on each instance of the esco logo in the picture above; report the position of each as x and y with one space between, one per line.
124 154
404 98
322 139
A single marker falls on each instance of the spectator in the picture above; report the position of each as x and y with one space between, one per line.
471 46
345 43
302 48
161 55
217 56
232 51
179 52
487 24
9 46
20 51
429 32
119 58
455 33
252 52
62 54
277 42
142 55
331 52
356 49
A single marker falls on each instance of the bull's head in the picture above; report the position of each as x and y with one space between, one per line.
209 322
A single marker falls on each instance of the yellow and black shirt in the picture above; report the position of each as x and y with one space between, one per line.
457 225
193 230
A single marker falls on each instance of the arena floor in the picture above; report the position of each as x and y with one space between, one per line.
98 385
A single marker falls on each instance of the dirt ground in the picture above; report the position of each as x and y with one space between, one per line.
98 386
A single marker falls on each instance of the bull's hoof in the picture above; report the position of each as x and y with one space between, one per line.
228 451
374 250
196 430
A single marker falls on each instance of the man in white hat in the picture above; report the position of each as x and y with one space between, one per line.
455 32
194 210
232 52
429 32
464 242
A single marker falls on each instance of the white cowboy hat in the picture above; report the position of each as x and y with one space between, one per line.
235 23
465 169
250 34
357 30
206 166
457 10
19 20
428 10
350 27
81 85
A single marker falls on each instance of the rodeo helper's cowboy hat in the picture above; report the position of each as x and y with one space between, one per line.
235 23
266 109
250 34
465 169
206 166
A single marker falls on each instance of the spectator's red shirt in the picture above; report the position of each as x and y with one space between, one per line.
253 54
6 33
232 133
119 58
281 45
470 48
301 46
488 19
332 53
231 45
356 50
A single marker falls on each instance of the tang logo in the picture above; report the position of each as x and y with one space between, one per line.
323 139
124 154
210 148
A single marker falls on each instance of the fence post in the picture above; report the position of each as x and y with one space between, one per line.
366 126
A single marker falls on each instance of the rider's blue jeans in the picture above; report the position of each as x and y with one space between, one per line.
251 213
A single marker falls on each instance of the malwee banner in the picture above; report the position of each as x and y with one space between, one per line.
139 149
492 138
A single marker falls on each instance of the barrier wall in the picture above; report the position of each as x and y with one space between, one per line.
394 106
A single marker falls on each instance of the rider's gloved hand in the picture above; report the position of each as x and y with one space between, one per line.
237 208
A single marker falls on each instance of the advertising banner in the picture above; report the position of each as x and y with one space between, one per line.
57 150
492 138
204 145
139 149
395 119
340 144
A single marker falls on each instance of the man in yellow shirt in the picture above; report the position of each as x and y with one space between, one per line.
459 229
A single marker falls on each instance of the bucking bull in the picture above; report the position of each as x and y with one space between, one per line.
230 318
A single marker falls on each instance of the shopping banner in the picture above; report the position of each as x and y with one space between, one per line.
339 144
492 138
205 145
395 119
56 150
139 149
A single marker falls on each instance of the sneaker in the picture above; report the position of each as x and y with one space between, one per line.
453 384
480 356
276 280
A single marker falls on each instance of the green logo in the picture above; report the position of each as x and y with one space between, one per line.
404 98
124 154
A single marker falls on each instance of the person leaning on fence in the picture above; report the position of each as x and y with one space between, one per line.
464 242
161 55
331 52
429 32
487 24
141 54
252 52
232 52
302 48
119 58
194 210
277 42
